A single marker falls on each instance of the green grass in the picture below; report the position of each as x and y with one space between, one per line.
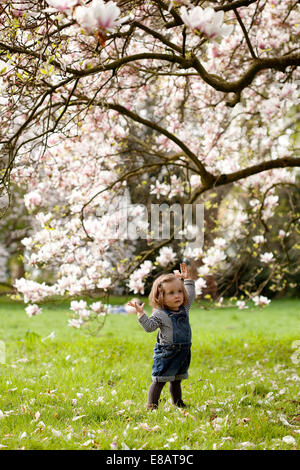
83 392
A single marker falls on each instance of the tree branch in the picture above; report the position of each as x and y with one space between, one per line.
285 162
207 178
245 33
259 64
215 81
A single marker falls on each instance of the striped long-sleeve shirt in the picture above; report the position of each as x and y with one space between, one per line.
160 319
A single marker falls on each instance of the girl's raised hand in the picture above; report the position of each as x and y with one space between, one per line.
184 272
139 308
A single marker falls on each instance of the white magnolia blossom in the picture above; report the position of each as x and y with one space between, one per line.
207 21
27 242
213 256
254 203
269 205
166 256
43 219
104 283
220 242
200 284
204 270
97 307
241 304
267 258
258 239
192 253
195 181
260 300
176 185
84 314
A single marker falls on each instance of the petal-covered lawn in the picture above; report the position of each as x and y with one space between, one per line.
60 389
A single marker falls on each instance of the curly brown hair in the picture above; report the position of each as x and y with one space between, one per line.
156 296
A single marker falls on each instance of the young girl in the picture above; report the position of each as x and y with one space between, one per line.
171 299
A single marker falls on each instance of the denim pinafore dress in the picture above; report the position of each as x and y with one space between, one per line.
171 361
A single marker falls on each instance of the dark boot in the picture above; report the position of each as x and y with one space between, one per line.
175 391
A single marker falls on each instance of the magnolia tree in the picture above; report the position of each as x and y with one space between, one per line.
161 101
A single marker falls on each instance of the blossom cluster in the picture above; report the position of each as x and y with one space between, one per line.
206 22
85 313
97 17
136 280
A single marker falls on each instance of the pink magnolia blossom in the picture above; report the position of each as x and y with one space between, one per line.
84 314
283 234
159 189
33 310
33 291
100 16
136 285
32 200
63 6
75 323
19 11
76 306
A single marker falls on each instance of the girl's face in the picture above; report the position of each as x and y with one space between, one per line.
173 294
